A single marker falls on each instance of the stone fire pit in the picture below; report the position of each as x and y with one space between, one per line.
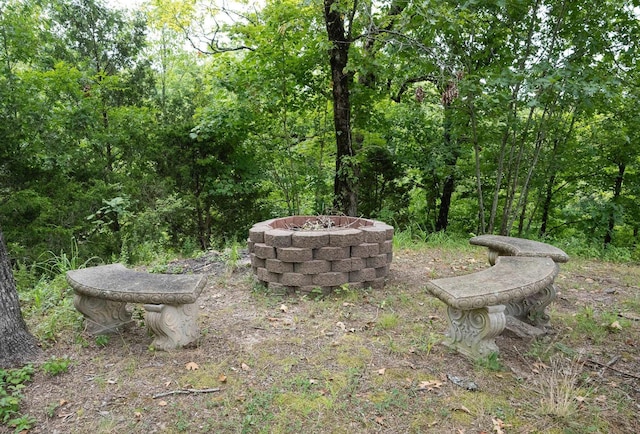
320 253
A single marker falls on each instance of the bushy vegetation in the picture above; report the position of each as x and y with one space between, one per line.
501 117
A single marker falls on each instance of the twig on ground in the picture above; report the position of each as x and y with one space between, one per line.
186 392
608 366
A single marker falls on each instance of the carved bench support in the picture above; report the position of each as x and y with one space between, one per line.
102 316
472 332
532 309
173 326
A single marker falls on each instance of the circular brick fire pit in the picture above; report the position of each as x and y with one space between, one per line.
320 253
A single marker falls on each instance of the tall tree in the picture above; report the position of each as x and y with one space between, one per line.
17 345
339 24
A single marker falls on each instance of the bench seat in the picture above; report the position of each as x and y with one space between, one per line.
518 286
500 245
101 295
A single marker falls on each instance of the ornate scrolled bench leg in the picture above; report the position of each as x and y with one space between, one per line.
102 316
532 309
174 326
472 332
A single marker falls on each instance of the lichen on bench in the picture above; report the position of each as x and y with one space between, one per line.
101 295
477 303
500 245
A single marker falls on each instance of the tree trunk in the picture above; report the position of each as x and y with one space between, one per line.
17 345
617 190
345 194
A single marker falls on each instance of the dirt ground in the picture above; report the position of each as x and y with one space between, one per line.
356 362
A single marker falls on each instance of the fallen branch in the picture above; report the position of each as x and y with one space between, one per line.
186 392
605 366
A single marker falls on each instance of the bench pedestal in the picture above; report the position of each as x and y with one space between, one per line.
472 332
532 309
102 316
173 326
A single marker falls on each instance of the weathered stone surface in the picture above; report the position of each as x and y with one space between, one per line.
118 283
382 271
296 279
312 267
331 278
358 263
267 276
377 283
256 233
278 238
365 250
277 266
345 237
512 278
294 254
264 251
377 261
364 275
257 262
510 246
332 253
386 247
310 239
342 266
374 234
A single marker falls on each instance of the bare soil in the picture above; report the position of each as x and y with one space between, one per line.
355 362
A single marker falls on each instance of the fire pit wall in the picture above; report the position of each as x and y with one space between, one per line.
296 254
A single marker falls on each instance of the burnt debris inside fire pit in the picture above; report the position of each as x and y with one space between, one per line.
320 253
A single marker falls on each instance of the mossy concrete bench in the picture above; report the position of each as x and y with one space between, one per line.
500 245
101 295
478 302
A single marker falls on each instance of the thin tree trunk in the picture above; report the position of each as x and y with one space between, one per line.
476 151
617 190
17 345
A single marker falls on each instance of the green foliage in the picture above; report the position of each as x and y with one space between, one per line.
56 365
12 382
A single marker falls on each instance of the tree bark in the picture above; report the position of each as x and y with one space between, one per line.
345 193
617 190
17 345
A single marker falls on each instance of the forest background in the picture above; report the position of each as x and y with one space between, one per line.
176 125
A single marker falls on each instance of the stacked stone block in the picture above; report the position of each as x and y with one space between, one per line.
287 259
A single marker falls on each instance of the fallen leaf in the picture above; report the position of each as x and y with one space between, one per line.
162 403
222 378
380 420
497 425
346 304
62 402
429 385
615 325
191 366
245 367
167 384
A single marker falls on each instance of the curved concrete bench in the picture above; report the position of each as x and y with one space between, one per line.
500 245
477 302
101 295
